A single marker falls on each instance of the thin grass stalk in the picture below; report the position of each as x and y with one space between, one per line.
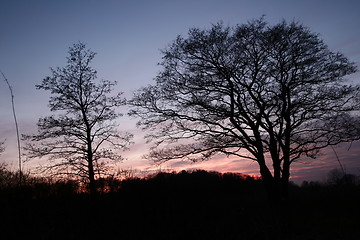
16 126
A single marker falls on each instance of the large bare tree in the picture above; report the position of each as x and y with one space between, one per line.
84 134
271 94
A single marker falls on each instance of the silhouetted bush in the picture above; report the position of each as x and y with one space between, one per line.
33 187
341 178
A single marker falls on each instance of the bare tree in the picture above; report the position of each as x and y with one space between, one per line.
271 94
84 135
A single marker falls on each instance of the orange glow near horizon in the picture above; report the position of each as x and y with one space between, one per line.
304 169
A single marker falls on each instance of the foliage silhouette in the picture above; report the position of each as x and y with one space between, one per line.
2 148
341 178
271 94
84 135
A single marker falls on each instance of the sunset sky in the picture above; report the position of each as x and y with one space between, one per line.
127 35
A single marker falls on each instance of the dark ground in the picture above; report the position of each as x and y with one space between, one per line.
198 205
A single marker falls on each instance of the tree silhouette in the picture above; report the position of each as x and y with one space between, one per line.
84 134
271 94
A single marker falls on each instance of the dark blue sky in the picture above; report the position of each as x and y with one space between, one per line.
127 35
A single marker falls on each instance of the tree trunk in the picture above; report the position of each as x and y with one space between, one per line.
285 181
91 173
90 159
268 181
273 215
92 182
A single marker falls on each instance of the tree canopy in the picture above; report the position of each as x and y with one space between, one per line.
271 94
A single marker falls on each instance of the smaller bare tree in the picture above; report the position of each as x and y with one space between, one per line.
83 137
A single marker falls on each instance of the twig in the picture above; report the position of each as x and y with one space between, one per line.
338 159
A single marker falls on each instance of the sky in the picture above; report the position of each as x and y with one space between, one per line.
127 37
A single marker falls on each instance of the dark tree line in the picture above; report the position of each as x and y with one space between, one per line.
184 205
